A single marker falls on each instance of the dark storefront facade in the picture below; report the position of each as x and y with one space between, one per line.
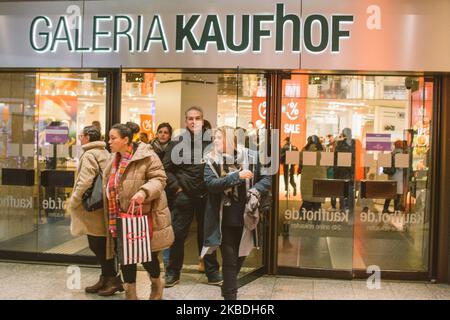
305 68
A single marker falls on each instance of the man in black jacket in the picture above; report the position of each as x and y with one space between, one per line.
184 167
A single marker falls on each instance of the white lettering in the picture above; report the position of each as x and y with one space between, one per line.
74 280
374 281
374 20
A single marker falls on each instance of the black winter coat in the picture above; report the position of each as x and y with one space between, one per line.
184 165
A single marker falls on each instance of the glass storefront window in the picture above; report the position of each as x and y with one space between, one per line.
354 172
66 101
18 193
44 113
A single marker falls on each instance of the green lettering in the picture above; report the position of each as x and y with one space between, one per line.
186 32
123 33
45 35
308 33
79 39
258 33
281 20
231 32
212 21
337 33
138 36
97 34
62 25
156 23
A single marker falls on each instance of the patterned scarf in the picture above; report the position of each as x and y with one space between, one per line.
229 165
118 168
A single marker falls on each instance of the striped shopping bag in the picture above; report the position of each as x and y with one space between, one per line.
134 232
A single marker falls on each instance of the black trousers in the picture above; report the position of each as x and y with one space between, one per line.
232 263
184 210
310 206
129 271
289 170
387 203
98 247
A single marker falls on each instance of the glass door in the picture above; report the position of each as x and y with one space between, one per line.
232 99
354 174
316 198
393 225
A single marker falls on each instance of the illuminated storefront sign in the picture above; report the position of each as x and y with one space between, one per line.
381 35
140 32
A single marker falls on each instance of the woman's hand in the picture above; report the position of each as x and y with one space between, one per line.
138 197
245 174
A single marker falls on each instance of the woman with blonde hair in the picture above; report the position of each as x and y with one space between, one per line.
236 183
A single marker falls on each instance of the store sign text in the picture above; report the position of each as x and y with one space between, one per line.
194 31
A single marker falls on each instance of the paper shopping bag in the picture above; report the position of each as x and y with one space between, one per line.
133 236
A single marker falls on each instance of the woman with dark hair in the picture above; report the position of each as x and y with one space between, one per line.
160 144
136 174
308 173
236 184
346 144
143 137
134 127
162 139
92 162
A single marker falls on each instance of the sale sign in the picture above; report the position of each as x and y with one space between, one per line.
259 111
147 125
293 116
293 121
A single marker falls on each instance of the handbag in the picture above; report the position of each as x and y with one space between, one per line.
266 203
390 171
134 232
92 199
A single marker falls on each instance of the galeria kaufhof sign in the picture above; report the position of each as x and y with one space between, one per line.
360 35
143 33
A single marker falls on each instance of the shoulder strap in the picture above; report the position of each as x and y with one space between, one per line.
211 165
98 164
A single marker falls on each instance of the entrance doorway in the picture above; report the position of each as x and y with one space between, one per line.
232 99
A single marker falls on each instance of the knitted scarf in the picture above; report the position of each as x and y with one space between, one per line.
117 170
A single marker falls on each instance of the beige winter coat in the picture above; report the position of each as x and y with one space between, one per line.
82 221
145 174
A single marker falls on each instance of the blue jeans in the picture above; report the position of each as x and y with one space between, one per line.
184 210
166 256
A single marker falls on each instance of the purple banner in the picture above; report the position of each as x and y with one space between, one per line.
56 134
378 142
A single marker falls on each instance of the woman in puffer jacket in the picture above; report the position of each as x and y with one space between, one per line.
137 174
91 223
